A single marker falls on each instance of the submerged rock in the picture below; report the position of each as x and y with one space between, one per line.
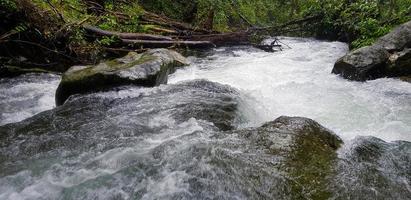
147 69
142 148
389 57
84 122
179 142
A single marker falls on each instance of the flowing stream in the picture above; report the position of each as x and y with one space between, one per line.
175 141
24 96
298 82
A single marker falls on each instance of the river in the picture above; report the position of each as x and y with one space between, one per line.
167 142
298 82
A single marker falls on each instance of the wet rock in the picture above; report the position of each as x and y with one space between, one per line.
288 158
378 169
406 78
110 118
363 64
148 69
390 56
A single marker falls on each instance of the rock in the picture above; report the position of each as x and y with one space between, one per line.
406 78
398 39
400 63
390 56
300 148
147 69
378 169
363 64
89 120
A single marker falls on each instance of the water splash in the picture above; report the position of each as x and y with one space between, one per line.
298 82
24 96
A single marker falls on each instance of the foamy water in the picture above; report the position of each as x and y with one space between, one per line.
24 96
152 143
298 82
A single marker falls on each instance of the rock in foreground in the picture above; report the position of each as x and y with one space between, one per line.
147 69
389 57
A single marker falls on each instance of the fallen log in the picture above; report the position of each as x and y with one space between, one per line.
222 39
139 36
166 44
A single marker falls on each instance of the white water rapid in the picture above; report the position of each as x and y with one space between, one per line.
298 82
175 141
24 96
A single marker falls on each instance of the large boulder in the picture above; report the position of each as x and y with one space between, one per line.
389 57
363 64
142 141
147 69
94 119
300 149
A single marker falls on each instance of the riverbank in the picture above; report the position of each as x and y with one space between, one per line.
55 35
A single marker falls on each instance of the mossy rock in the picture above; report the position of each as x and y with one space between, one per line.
148 69
305 153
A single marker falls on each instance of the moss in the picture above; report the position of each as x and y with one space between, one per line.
108 66
310 164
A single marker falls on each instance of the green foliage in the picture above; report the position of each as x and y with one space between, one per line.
8 5
127 21
177 9
108 41
20 28
359 22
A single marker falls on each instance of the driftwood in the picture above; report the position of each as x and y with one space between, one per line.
272 47
166 44
222 39
184 35
140 36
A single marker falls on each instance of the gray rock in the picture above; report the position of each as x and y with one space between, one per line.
89 120
390 56
363 64
398 39
147 69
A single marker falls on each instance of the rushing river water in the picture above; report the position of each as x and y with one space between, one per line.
27 95
176 141
298 82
